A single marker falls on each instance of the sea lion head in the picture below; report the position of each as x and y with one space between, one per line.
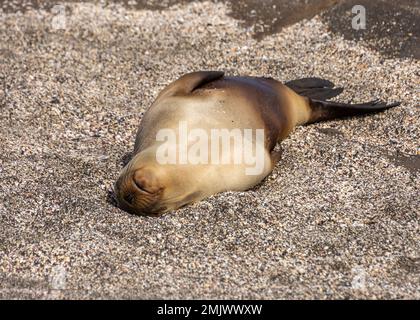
140 189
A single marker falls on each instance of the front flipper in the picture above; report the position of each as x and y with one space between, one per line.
188 82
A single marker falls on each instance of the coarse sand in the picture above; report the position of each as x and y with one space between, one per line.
338 217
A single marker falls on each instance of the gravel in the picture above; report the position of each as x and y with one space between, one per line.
338 217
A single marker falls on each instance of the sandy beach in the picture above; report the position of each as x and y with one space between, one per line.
338 218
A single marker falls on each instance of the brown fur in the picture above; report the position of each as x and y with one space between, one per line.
209 100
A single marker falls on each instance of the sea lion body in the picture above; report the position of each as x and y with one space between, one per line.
206 101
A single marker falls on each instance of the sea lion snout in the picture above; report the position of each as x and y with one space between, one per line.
139 192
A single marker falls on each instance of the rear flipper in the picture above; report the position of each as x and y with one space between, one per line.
314 88
317 91
327 110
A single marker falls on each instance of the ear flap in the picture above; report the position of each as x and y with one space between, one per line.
188 82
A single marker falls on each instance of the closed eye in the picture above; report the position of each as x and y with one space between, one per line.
129 198
141 187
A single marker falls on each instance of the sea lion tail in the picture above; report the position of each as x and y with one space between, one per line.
327 110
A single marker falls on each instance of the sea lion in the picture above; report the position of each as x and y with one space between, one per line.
206 101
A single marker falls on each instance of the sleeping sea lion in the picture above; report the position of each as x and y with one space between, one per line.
207 133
